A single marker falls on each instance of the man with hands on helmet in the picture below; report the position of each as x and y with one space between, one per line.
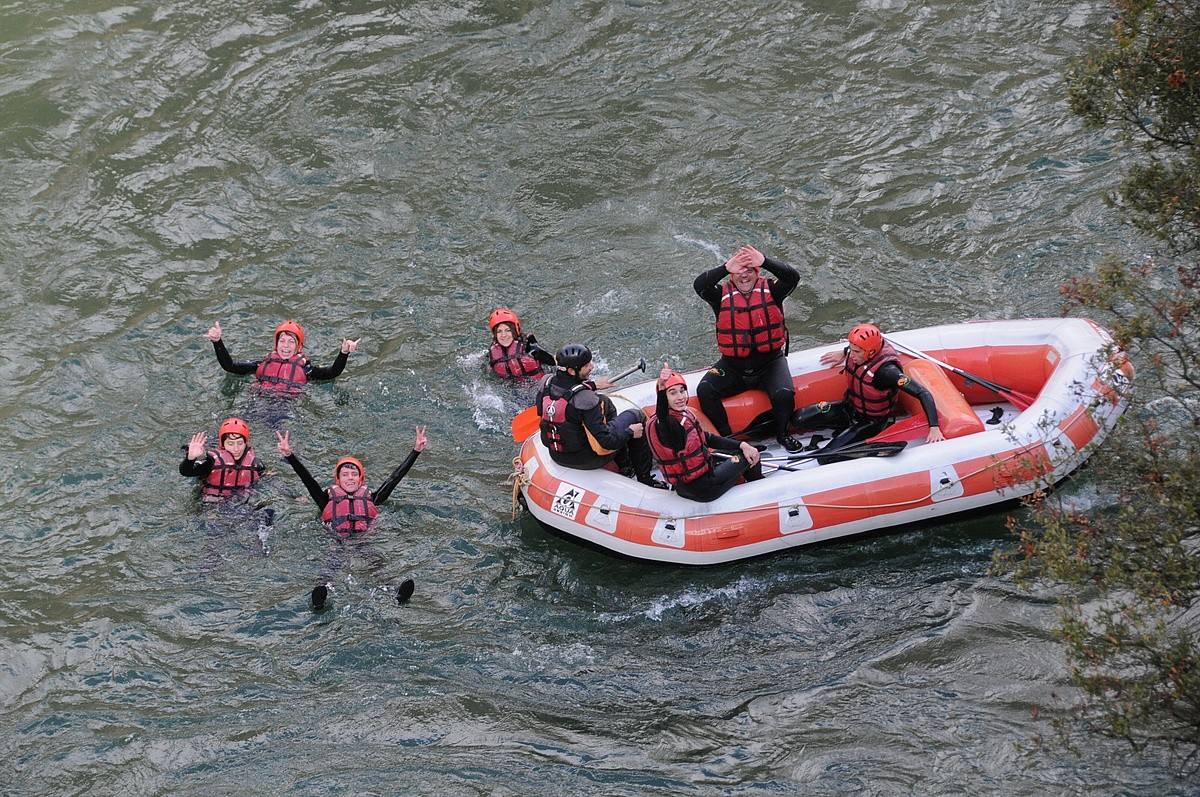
874 381
581 428
752 338
286 369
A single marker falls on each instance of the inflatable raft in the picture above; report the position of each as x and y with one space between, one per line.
995 450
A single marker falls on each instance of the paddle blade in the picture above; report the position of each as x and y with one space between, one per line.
913 427
525 423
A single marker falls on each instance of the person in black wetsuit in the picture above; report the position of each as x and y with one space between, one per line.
874 381
513 354
227 472
752 338
581 428
285 369
349 509
682 447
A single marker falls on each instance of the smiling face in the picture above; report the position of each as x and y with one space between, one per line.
235 444
348 478
285 344
677 397
504 333
744 280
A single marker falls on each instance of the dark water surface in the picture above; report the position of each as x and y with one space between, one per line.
393 171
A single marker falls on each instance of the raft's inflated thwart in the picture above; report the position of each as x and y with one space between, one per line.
993 452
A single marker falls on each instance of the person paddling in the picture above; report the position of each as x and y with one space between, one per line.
581 428
228 471
874 382
513 354
286 369
682 447
751 337
348 508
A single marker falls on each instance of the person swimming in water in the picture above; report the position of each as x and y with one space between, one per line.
286 370
348 509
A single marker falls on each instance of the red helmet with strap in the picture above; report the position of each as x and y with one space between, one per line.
362 472
233 426
503 315
868 338
675 378
294 329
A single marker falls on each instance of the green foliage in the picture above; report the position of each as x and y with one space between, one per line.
1130 615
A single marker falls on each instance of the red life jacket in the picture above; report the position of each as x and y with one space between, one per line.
866 399
750 323
557 433
228 475
276 373
681 467
513 361
349 513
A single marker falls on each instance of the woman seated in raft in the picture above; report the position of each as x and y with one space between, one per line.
682 447
285 369
514 355
874 381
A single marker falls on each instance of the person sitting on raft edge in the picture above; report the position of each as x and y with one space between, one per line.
513 354
581 428
285 369
227 471
347 507
681 446
752 338
874 381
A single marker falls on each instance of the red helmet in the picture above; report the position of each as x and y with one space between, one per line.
675 378
868 338
502 315
292 327
233 426
362 472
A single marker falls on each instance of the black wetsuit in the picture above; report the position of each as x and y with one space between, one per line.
724 473
314 373
852 427
766 371
320 495
587 409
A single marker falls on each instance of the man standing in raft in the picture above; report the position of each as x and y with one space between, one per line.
751 336
228 471
285 369
874 381
581 428
682 447
513 355
348 508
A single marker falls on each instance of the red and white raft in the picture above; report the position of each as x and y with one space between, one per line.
994 451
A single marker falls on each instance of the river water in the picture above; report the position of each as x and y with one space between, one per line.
392 171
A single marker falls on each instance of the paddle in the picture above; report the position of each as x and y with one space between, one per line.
526 422
1021 401
855 450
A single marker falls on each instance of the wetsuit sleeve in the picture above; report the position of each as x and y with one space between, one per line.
726 444
786 279
890 376
198 468
707 286
319 496
670 430
316 373
534 349
385 490
587 404
227 363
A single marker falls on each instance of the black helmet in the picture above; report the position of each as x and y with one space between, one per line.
573 355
